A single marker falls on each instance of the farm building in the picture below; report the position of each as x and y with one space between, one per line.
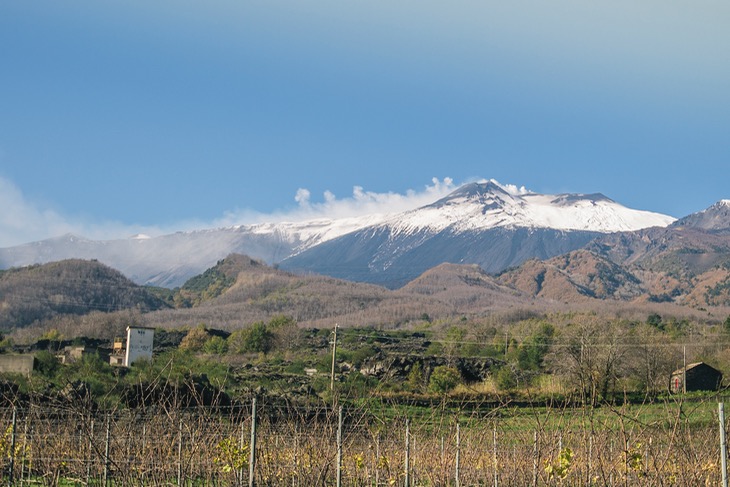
17 364
698 376
138 344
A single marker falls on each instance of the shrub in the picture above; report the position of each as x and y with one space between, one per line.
443 379
258 338
505 379
195 339
216 345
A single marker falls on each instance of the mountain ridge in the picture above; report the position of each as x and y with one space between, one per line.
493 225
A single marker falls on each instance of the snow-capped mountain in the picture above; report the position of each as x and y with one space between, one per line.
481 206
716 218
486 223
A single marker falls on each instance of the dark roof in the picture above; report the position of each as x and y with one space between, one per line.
692 366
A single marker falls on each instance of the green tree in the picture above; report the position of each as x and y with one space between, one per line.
415 377
531 353
46 364
257 338
655 320
505 378
216 346
443 379
195 339
260 338
4 343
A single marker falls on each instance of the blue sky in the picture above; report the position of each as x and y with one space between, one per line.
156 116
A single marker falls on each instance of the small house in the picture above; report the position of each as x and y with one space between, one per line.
138 345
695 377
74 353
119 350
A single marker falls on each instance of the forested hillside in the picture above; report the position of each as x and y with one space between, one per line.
70 287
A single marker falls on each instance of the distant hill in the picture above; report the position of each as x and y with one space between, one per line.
686 263
261 292
69 287
715 219
574 277
465 288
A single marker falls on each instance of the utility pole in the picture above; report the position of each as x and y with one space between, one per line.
334 351
684 369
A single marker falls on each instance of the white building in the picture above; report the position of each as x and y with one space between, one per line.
139 344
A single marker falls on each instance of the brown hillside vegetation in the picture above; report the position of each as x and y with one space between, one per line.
239 291
574 277
465 287
680 264
69 287
679 251
544 280
262 292
710 288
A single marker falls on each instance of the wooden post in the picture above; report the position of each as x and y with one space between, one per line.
25 451
252 452
590 458
106 450
458 453
443 451
610 455
12 446
723 443
144 448
334 352
339 447
179 452
30 449
407 465
296 456
535 460
241 445
89 457
494 455
684 369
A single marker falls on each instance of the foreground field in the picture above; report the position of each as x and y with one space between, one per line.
674 442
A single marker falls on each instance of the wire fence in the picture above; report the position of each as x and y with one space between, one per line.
272 445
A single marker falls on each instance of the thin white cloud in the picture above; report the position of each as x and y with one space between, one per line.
23 221
360 202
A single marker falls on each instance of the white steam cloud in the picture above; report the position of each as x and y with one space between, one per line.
23 221
20 221
511 188
360 202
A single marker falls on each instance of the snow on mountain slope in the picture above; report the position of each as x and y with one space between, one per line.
169 260
309 233
493 226
481 206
